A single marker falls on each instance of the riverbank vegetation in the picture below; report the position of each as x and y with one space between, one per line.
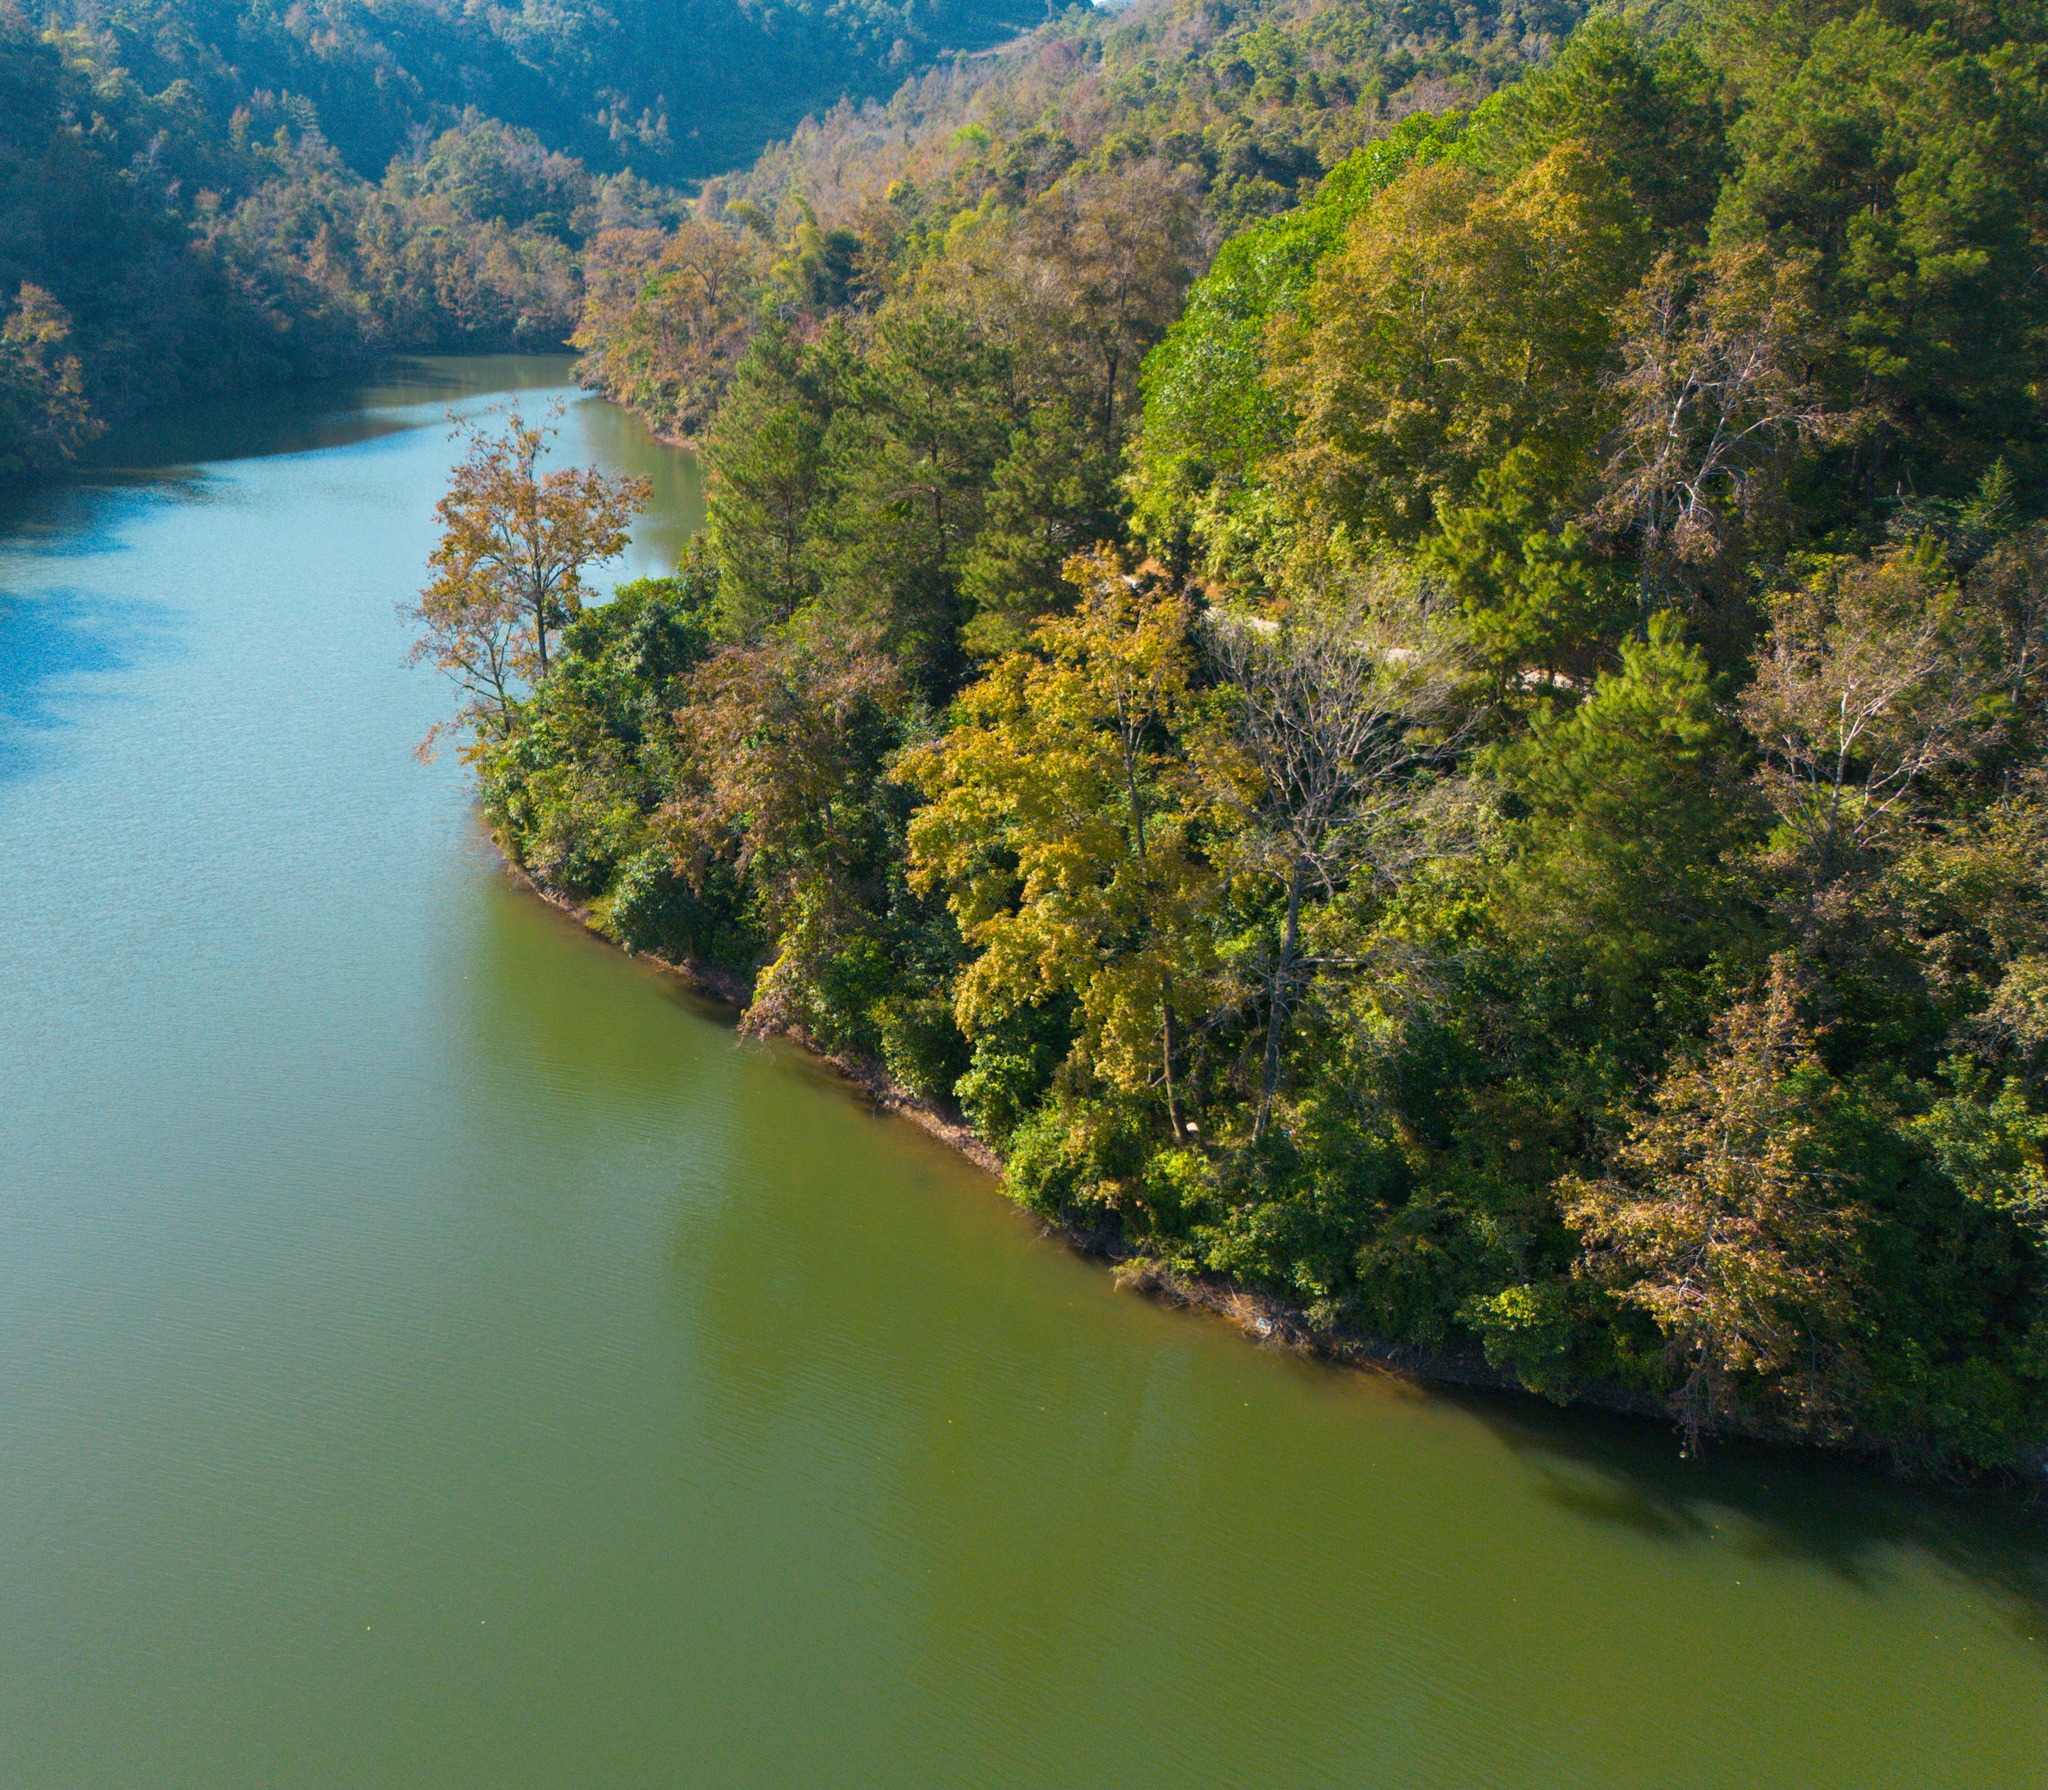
154 247
1457 736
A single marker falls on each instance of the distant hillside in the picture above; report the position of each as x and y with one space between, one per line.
1255 98
673 89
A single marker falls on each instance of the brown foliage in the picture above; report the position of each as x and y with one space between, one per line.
1720 1220
509 566
665 320
1875 679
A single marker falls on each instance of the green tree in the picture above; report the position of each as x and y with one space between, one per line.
1052 496
926 418
1462 321
1637 804
766 454
1906 170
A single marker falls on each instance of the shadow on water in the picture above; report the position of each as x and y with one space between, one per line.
1849 1517
306 418
62 645
51 646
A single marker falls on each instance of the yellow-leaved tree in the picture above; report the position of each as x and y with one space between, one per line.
1063 815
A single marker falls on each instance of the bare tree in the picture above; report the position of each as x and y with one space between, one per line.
1336 708
1875 678
1715 392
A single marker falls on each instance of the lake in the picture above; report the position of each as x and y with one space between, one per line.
436 1350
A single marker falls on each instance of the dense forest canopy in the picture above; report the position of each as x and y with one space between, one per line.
1409 661
196 196
672 89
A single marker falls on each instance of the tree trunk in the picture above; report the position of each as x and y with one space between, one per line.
1276 1018
1173 1116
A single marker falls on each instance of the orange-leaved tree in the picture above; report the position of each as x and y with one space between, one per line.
515 542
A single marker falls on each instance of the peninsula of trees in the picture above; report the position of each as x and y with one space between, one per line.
1413 672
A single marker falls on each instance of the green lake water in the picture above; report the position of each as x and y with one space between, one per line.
436 1351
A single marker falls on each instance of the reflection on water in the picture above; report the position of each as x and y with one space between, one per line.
168 447
332 413
437 1351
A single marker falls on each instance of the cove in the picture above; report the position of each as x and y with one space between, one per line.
435 1350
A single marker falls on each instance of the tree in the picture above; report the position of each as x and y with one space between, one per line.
925 419
1461 321
1334 709
1994 1147
1108 257
766 454
1875 679
1212 417
1635 801
44 418
1715 390
515 542
665 320
1904 167
1721 1220
1062 820
1052 496
780 745
2011 585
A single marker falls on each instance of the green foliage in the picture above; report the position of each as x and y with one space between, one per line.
1211 415
1053 495
184 240
635 83
1628 854
571 788
1908 169
655 909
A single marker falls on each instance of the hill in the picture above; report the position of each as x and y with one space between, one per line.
671 90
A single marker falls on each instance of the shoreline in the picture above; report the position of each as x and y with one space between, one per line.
1265 1319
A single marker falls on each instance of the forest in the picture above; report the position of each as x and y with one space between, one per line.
1413 678
200 195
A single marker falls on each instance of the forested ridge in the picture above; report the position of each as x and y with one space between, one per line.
672 89
203 195
1418 687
